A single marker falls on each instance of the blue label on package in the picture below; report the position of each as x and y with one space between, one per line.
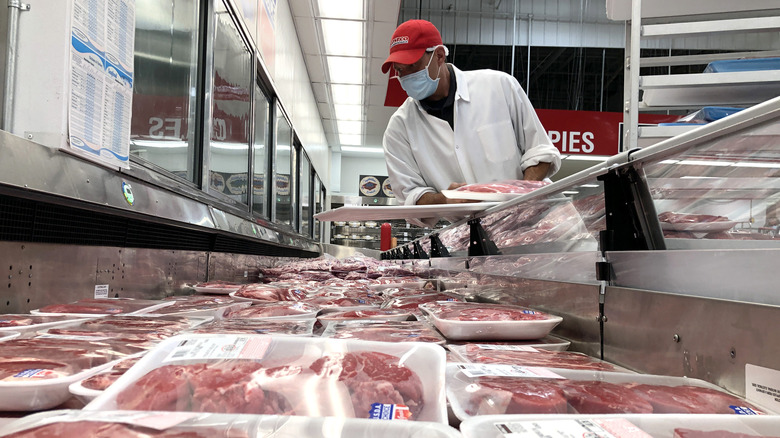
742 410
385 411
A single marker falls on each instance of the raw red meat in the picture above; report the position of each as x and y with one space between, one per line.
102 381
690 433
260 326
100 429
411 302
684 218
15 320
384 331
122 322
508 186
271 292
282 308
373 377
330 302
225 387
365 314
538 358
484 312
597 397
506 395
10 369
219 284
687 399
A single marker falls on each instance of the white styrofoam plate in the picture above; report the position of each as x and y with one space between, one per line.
387 212
491 329
480 196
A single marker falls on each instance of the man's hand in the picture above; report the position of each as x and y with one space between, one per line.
536 173
438 198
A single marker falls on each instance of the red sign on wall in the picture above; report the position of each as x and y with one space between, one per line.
589 132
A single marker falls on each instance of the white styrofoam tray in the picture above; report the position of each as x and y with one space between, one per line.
426 360
491 329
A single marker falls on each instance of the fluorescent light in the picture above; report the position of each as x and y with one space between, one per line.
346 9
349 127
757 164
569 192
342 38
160 143
669 162
348 112
345 70
713 163
585 158
350 139
590 185
362 149
347 94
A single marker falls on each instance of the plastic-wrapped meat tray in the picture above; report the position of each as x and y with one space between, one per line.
216 287
92 307
477 389
370 314
269 326
277 310
635 426
270 292
265 374
485 321
28 323
88 388
530 357
384 331
215 306
551 343
35 373
189 425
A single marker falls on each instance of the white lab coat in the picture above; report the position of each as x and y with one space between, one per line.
497 136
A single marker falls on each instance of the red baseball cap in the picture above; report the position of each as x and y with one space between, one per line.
410 40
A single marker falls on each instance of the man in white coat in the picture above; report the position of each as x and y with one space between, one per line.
457 127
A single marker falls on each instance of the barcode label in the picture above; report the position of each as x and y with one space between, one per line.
480 370
222 347
608 428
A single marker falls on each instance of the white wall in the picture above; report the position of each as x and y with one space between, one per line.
353 167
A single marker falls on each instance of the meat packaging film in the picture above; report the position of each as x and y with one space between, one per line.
479 389
28 323
342 378
620 426
92 307
72 423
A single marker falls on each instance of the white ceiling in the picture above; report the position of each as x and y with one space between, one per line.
381 21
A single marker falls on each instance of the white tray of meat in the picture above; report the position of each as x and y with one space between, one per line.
28 323
265 374
94 307
214 306
620 426
372 314
337 304
484 321
499 191
478 389
412 302
88 388
271 292
549 342
129 424
216 287
7 335
267 326
35 373
530 357
384 331
278 310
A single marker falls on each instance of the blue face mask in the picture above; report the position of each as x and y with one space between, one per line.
419 85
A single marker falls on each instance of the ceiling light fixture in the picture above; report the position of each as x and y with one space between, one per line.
362 149
342 38
350 140
345 70
348 112
343 9
349 127
347 94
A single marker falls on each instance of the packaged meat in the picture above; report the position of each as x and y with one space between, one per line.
549 342
200 306
35 373
486 321
412 302
91 424
28 323
216 287
270 292
530 357
88 388
694 222
623 425
495 191
384 331
278 310
91 307
264 375
374 314
263 326
8 335
335 304
477 389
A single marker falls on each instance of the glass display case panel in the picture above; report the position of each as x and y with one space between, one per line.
305 185
726 189
260 153
283 174
164 85
231 110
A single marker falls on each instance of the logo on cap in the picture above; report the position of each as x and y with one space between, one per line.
399 40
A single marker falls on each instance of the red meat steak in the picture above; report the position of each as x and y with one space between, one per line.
99 429
227 387
687 399
503 395
373 377
539 358
596 397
